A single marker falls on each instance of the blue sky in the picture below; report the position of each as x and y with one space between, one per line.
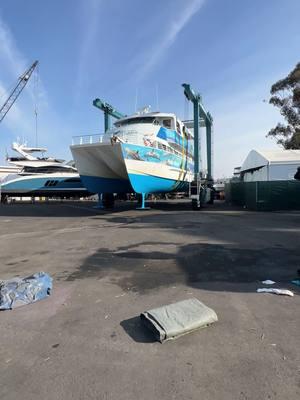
231 51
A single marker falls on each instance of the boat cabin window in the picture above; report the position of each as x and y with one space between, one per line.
72 180
137 120
51 183
17 159
47 169
178 127
167 123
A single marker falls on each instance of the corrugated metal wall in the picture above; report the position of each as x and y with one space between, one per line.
264 196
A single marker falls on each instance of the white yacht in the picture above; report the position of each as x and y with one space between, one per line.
40 176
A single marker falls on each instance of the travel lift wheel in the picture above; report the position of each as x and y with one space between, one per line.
206 196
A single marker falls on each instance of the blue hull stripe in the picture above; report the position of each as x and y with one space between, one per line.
36 186
39 183
105 185
154 184
26 184
136 183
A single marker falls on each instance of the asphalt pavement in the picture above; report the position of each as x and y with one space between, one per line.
86 341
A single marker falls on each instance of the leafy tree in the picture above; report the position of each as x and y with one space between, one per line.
286 96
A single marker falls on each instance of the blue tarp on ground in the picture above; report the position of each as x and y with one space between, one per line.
20 291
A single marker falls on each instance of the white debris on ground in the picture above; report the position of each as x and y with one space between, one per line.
285 292
268 282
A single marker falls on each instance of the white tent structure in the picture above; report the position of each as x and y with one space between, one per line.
270 165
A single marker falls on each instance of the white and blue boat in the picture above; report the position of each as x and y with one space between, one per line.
148 152
40 176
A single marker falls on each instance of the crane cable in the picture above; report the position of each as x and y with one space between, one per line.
35 93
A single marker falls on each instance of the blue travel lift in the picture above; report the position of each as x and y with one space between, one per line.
109 111
201 187
106 200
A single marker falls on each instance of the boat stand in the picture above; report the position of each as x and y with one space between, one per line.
143 203
99 205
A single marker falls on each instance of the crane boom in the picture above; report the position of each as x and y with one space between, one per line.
109 111
22 81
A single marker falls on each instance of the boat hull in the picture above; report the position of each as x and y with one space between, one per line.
97 184
124 167
101 167
58 185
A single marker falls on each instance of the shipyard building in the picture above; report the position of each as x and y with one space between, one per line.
270 165
266 181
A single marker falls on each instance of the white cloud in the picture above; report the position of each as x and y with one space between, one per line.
241 123
12 61
19 120
90 16
165 40
9 53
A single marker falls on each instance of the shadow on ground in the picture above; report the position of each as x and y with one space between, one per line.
234 265
137 331
208 266
238 264
60 209
83 208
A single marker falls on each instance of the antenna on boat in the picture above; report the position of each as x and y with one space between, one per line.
136 100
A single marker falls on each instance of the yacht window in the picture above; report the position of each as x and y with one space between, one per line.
73 180
51 183
166 123
47 169
178 127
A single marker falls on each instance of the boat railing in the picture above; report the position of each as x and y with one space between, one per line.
89 139
130 136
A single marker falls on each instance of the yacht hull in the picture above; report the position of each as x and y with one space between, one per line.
59 185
